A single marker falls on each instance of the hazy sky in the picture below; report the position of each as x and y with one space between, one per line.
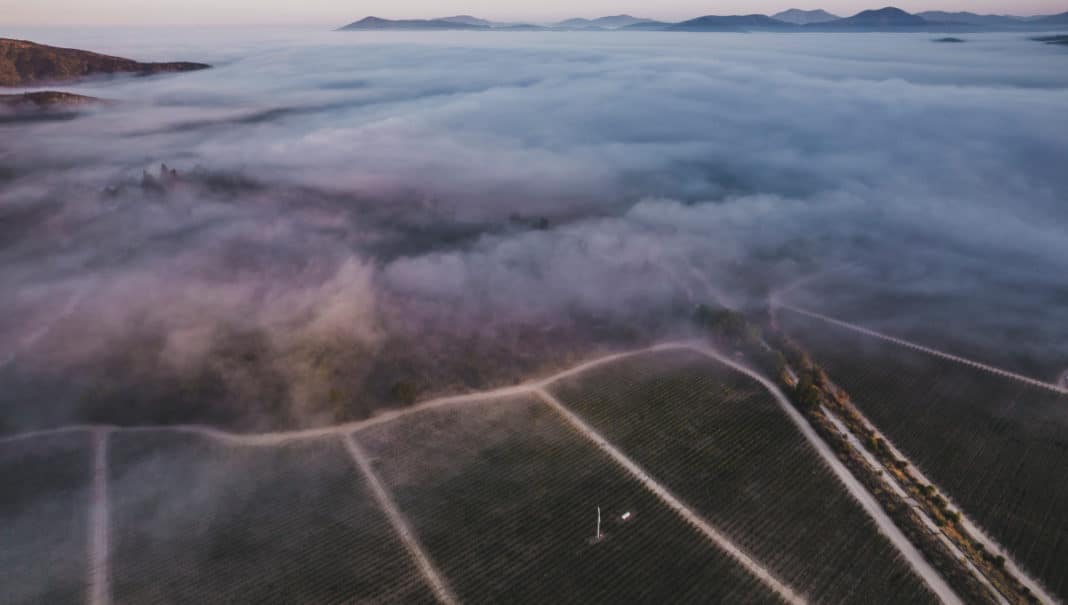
172 12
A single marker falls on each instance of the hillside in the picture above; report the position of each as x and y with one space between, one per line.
888 18
24 63
972 19
803 17
648 26
377 23
733 23
611 22
45 99
1057 20
468 20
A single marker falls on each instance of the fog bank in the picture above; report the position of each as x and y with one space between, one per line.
357 220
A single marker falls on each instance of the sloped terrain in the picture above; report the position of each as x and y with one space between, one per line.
25 63
44 504
998 447
504 497
721 443
195 521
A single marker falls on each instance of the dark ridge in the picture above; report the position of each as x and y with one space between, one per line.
1060 39
804 17
883 18
735 23
24 63
43 106
610 22
973 19
1060 19
377 23
467 20
46 99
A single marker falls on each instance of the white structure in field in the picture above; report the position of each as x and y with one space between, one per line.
598 536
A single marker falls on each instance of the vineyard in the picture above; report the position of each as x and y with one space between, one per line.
721 443
504 497
45 492
707 492
995 317
195 521
998 447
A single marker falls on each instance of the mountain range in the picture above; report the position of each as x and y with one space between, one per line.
793 20
731 23
881 19
613 22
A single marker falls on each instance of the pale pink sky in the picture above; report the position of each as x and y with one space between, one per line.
338 12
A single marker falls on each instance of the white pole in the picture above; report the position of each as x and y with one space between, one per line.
598 522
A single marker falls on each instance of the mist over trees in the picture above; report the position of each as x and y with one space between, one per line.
459 212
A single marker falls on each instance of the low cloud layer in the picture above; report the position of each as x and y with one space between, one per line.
360 219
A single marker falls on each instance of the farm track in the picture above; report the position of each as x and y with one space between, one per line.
99 581
888 479
915 559
867 501
399 523
924 349
970 526
665 496
276 438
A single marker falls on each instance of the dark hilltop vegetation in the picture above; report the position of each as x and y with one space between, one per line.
45 99
24 63
1063 39
805 17
44 106
28 64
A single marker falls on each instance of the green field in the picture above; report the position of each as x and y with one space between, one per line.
721 443
195 521
999 448
44 504
503 496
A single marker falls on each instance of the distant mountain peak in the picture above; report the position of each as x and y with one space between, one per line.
733 23
887 17
376 23
468 20
798 16
887 12
609 22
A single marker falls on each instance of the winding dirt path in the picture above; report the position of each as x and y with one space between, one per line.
277 438
400 524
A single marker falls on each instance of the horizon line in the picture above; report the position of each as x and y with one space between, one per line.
503 20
